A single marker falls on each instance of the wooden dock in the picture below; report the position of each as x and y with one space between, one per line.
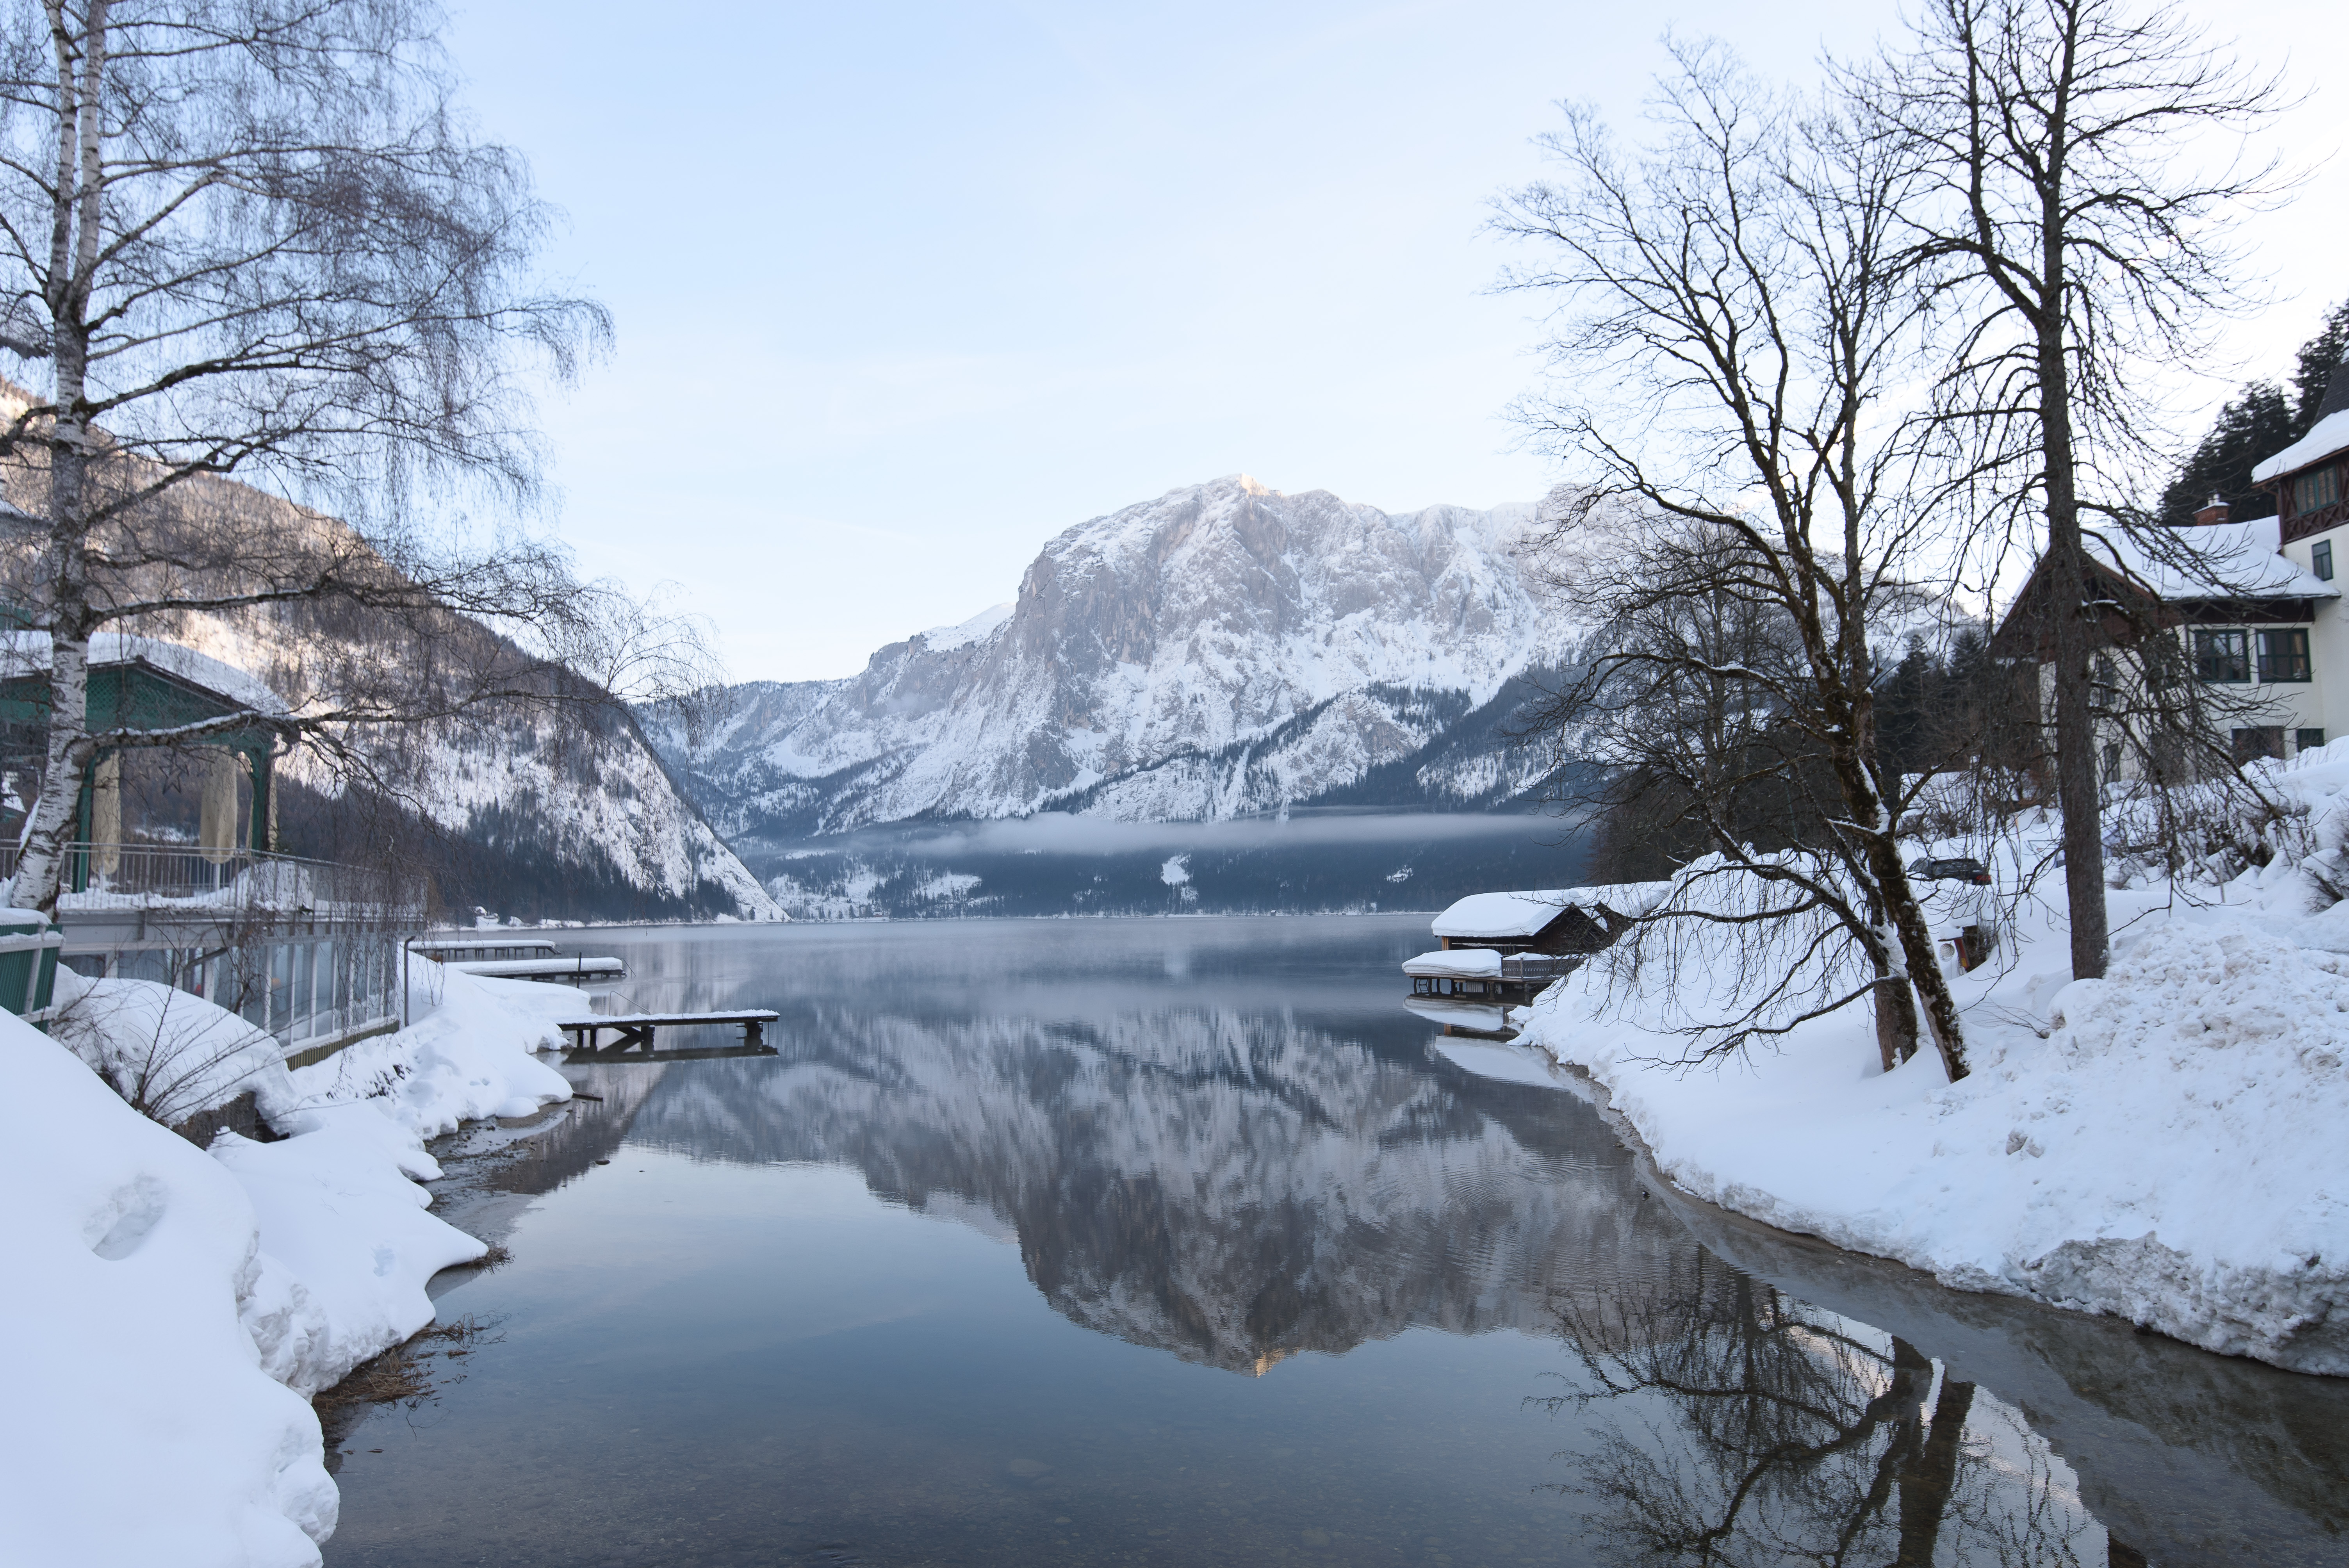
636 1029
575 970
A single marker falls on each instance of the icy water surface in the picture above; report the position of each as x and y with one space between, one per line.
1181 1242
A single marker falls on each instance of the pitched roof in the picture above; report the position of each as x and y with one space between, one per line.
2230 561
27 653
1500 916
2330 434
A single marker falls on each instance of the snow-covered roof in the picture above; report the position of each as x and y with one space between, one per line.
1466 963
2330 434
27 653
1498 916
2233 560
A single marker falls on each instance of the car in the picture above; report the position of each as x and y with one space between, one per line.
1965 870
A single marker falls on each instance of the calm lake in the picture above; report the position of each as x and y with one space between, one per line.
1181 1242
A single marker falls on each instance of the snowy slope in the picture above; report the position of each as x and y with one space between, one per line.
2163 1144
1222 649
595 798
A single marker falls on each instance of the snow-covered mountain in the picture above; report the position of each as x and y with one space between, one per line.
569 815
1224 649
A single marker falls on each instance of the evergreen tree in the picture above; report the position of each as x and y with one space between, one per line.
2319 357
2257 423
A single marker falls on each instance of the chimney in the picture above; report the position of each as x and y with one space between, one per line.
2214 512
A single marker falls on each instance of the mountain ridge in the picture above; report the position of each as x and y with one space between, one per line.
1222 649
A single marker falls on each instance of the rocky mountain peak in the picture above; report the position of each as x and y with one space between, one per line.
1222 647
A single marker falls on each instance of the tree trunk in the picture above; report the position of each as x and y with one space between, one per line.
1895 1016
1922 967
41 868
1926 1490
2078 789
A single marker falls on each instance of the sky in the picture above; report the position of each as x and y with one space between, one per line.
902 291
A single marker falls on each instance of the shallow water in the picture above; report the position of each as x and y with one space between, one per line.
1181 1242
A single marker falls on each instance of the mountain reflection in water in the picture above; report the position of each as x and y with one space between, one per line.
1232 1187
1225 1142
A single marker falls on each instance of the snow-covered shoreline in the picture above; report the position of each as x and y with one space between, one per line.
2165 1145
186 1301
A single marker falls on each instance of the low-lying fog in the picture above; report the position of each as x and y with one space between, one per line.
1054 863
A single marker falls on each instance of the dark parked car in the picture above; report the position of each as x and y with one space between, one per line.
1966 871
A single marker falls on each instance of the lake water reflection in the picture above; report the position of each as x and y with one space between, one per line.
1179 1242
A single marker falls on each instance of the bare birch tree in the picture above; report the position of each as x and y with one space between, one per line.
2070 224
256 238
1730 321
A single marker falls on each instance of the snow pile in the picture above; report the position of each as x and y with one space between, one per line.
146 1430
2164 1145
169 1053
469 1057
189 1301
347 1245
345 1249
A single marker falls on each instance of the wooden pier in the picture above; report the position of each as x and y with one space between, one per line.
636 1029
577 971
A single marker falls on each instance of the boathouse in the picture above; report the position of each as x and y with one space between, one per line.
1562 921
305 950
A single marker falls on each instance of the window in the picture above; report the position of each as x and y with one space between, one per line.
2283 654
2321 554
2259 740
2222 656
2307 739
2312 490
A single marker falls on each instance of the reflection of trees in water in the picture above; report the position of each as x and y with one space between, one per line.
1748 1428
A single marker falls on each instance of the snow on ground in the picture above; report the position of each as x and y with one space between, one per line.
182 1301
2165 1144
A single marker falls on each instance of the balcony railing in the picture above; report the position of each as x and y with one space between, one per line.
151 876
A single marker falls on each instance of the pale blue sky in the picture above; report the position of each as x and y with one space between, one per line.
903 291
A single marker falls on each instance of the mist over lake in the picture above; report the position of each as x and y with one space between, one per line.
1305 861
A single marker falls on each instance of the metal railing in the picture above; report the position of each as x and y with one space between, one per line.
306 951
104 876
1533 967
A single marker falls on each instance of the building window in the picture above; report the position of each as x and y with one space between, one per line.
2321 553
2307 739
2258 740
2224 657
2317 490
2283 654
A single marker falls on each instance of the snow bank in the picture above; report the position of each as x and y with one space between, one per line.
347 1245
183 1302
168 1053
2164 1145
144 1428
345 1249
469 1057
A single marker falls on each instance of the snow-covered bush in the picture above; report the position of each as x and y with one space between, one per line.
170 1054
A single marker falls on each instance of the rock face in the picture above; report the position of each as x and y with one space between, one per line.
1224 648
